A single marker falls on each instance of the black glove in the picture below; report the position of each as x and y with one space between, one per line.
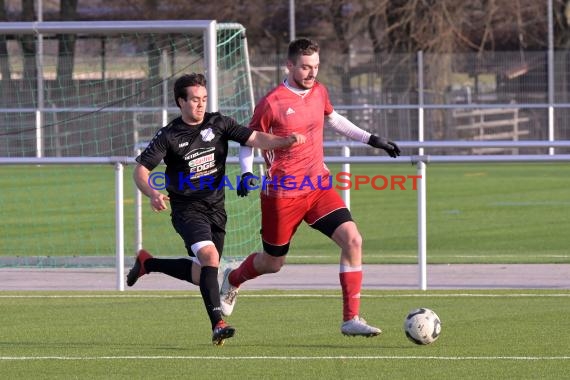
389 146
246 183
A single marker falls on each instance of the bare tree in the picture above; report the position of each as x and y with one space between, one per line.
393 30
152 48
28 44
348 22
66 54
4 64
562 29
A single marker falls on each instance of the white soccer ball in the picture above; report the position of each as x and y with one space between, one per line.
422 326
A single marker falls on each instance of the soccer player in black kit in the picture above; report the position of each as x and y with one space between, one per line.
194 147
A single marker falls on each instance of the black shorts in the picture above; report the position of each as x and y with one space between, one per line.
196 226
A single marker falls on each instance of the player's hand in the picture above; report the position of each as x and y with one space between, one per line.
297 138
389 146
246 183
158 202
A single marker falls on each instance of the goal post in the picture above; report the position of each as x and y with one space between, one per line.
117 93
106 30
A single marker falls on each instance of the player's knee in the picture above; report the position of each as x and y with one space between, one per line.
208 256
356 240
353 241
348 237
270 263
274 267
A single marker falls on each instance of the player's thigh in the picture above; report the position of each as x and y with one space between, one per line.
197 231
327 211
280 218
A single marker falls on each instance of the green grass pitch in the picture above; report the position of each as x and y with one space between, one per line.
282 335
507 213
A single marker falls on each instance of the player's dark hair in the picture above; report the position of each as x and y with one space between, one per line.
301 46
187 80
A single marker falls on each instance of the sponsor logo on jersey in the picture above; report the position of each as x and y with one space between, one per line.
182 145
199 152
201 160
290 111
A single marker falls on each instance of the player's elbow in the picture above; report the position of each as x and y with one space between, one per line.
140 173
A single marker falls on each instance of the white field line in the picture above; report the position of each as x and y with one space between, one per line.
388 256
289 295
291 358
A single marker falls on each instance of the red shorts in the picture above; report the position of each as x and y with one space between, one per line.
280 217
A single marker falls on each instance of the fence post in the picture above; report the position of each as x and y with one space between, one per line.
420 100
422 238
138 214
119 227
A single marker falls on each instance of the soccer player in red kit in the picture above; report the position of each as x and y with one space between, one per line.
297 185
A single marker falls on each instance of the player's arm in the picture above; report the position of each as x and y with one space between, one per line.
157 200
345 127
248 180
268 141
260 140
146 162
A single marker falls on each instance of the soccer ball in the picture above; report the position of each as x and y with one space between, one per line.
422 326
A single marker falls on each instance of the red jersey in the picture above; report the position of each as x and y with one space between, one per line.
295 170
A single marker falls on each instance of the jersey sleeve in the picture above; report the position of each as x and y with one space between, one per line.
236 132
262 116
328 105
155 150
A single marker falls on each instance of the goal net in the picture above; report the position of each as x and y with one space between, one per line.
102 89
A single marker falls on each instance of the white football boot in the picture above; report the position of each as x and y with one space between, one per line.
228 294
358 327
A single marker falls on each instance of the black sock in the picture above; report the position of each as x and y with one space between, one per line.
177 268
211 293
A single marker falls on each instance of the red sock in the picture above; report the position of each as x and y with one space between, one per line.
246 271
351 283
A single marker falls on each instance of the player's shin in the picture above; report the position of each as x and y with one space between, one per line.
351 284
210 291
177 268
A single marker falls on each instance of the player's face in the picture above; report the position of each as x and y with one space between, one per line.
194 107
303 72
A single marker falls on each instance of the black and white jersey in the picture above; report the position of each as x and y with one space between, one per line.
195 158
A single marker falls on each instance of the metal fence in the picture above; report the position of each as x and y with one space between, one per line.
438 97
491 96
420 161
490 107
